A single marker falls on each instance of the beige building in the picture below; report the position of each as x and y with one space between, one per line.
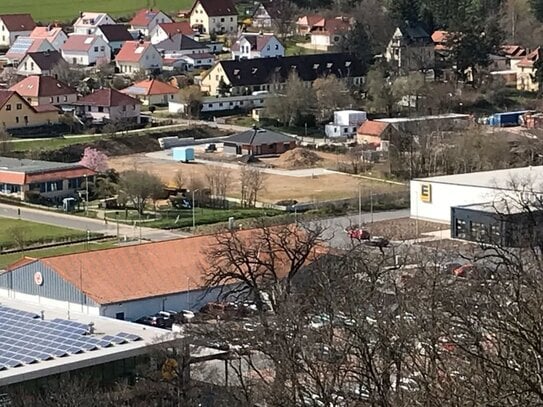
153 92
16 112
214 16
39 90
526 71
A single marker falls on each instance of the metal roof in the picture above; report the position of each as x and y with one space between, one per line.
32 166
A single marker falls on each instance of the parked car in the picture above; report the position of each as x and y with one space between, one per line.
152 320
357 232
378 241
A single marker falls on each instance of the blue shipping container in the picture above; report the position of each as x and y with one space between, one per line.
506 118
185 154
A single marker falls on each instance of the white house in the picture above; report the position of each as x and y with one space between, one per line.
136 56
198 60
13 26
345 124
86 50
40 63
167 30
55 35
249 46
108 104
87 22
214 16
115 35
147 19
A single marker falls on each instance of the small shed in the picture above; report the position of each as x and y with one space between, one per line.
185 154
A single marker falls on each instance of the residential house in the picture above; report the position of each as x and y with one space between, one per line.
13 26
164 31
245 76
345 123
374 134
441 39
249 46
221 104
199 60
515 53
109 105
328 33
24 45
136 56
55 35
21 177
39 90
88 22
305 24
258 142
16 112
214 16
153 92
115 35
147 19
526 71
40 63
180 44
86 50
264 15
410 49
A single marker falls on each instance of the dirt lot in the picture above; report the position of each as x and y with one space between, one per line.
276 187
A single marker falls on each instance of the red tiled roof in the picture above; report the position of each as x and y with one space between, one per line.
373 128
147 270
310 20
440 39
81 43
10 177
49 33
150 87
513 51
132 51
41 86
45 108
107 98
214 8
58 174
144 17
18 22
331 26
529 60
182 27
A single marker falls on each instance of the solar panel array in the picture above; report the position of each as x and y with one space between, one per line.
26 339
21 45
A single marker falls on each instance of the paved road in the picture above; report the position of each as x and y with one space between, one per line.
335 227
92 225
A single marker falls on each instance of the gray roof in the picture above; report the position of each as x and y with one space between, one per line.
32 166
262 136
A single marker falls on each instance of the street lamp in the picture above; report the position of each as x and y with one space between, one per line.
193 210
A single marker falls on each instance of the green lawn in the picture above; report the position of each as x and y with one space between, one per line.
204 216
7 259
64 10
32 232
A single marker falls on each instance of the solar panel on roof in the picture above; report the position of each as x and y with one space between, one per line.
128 336
115 339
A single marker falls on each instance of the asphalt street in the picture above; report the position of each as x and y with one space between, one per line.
82 223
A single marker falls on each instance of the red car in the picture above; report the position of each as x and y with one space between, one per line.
356 232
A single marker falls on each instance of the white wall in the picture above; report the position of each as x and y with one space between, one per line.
192 301
444 196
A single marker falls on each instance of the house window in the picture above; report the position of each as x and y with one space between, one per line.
65 98
58 99
51 100
102 48
231 19
220 104
16 119
8 107
276 46
222 20
54 186
212 20
25 119
19 106
124 108
95 49
100 109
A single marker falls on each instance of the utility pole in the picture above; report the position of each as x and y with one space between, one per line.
86 195
193 210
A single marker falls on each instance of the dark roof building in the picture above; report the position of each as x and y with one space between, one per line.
46 60
115 32
18 22
216 8
267 71
180 42
258 142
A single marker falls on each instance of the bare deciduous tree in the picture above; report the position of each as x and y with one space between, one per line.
219 180
252 182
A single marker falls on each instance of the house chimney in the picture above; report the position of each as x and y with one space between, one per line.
81 14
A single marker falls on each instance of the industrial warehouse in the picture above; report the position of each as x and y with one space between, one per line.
499 207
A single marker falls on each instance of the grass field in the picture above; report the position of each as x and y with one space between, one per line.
7 259
50 144
32 232
203 216
67 11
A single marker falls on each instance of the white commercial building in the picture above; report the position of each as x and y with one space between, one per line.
432 198
345 123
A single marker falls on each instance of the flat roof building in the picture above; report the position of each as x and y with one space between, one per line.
29 179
